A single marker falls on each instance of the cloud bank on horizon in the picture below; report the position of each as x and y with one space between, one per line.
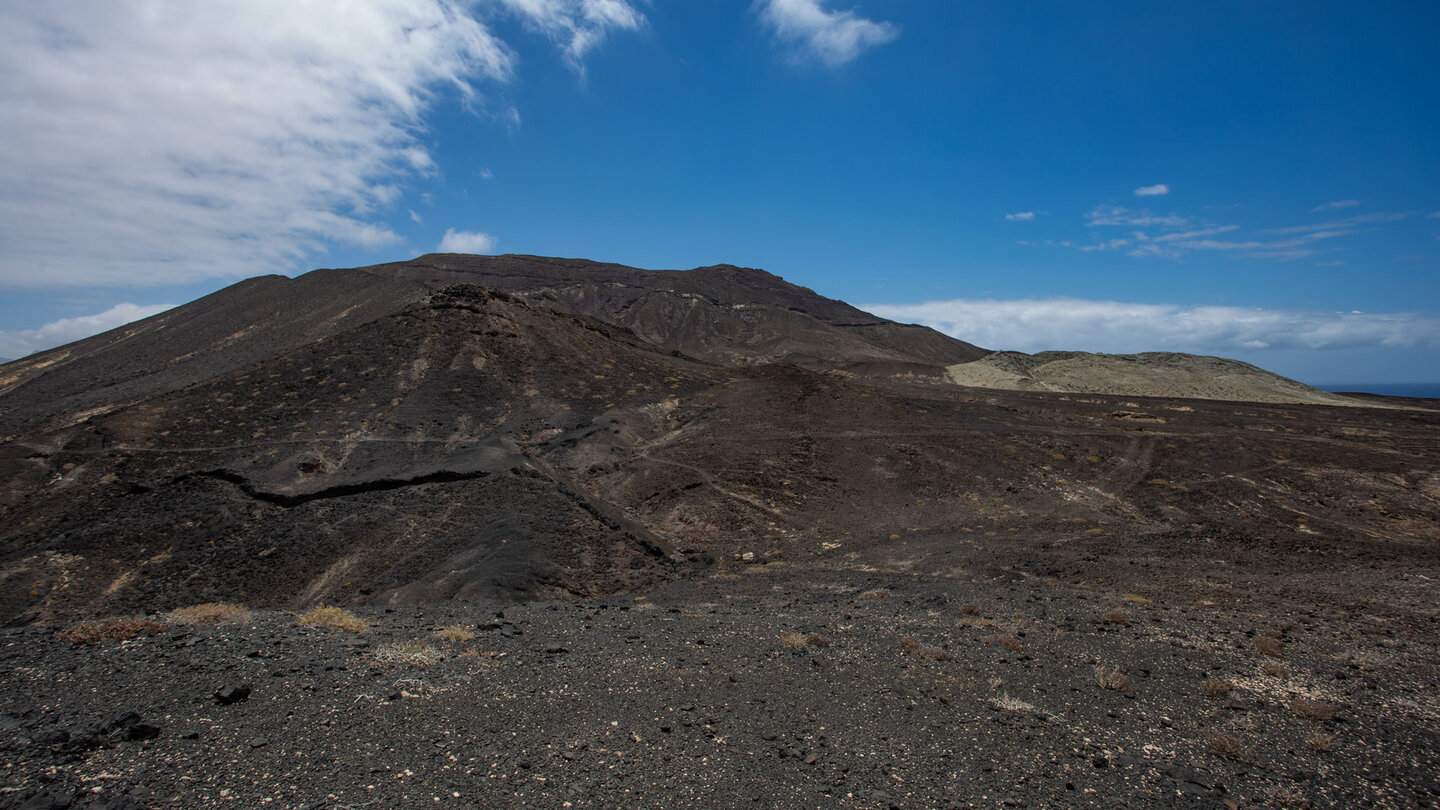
1038 324
18 343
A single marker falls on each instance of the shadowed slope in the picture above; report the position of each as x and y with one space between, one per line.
724 314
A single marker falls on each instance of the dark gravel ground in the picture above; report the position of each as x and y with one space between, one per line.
895 690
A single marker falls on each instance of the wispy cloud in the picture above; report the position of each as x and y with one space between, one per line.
466 242
1020 216
577 26
1348 224
1160 239
1107 215
1157 190
18 343
1116 326
833 38
1335 205
1113 244
160 143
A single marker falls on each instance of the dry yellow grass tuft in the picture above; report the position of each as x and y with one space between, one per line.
455 633
211 613
1111 678
802 641
878 593
111 628
334 618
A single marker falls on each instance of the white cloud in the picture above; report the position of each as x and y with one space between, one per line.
466 242
1334 205
1117 215
833 38
1282 244
1157 190
1113 244
1031 325
1346 225
1020 216
18 343
153 142
577 26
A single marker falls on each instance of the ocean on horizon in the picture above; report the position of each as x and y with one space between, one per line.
1419 390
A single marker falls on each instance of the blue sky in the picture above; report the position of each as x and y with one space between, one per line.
1256 180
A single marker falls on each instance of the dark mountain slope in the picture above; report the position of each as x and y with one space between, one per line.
253 320
723 314
376 436
393 458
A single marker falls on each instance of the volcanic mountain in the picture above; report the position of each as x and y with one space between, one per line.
522 427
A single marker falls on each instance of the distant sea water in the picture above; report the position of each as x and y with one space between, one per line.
1423 390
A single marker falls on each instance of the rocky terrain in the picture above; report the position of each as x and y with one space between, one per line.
633 538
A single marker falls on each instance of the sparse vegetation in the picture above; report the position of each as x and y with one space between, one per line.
1269 646
1312 709
877 593
1115 617
331 617
111 628
1275 669
1112 678
969 609
803 641
926 651
454 633
1282 796
1216 689
1012 704
1320 741
414 652
1227 746
210 613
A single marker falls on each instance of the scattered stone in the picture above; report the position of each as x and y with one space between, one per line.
236 693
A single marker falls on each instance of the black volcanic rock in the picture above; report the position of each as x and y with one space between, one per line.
517 428
724 314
